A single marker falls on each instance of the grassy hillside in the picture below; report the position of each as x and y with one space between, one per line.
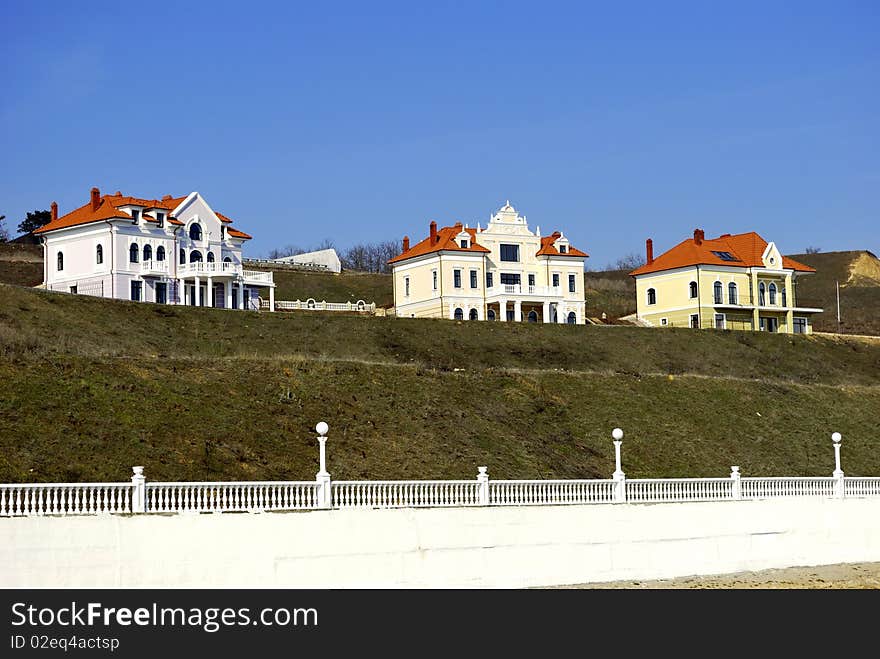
342 287
89 387
859 275
21 265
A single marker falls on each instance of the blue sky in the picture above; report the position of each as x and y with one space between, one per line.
363 121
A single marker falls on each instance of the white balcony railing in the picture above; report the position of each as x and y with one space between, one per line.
209 268
524 289
258 276
150 266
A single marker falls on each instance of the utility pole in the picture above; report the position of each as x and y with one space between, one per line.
838 305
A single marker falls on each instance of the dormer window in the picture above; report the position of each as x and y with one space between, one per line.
464 244
135 215
222 232
563 249
160 218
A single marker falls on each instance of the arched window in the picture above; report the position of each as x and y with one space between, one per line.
731 294
784 299
459 314
652 296
210 257
148 253
490 315
473 314
133 253
761 298
772 293
195 256
533 316
195 231
60 261
693 289
160 253
99 254
572 318
226 259
719 293
183 255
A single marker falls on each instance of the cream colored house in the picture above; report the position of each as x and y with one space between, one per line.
730 282
501 272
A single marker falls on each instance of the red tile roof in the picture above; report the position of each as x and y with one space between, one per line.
109 208
547 248
747 248
238 234
445 241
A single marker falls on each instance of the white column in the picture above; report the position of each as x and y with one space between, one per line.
198 292
271 298
322 478
451 311
228 291
736 483
618 476
483 481
838 472
517 311
181 291
560 314
502 314
241 296
210 293
545 316
481 312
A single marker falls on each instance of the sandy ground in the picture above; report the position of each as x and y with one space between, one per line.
840 576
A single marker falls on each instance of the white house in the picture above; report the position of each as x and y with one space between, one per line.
326 258
504 272
173 250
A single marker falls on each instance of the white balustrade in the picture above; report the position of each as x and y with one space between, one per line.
763 488
65 499
545 492
313 305
861 486
210 268
404 494
258 276
230 496
648 490
154 266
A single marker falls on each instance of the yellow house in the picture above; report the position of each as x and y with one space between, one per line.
730 282
504 272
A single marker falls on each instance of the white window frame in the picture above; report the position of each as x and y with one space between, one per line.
406 286
723 320
648 296
664 322
434 279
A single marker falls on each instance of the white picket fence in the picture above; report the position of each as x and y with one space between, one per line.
139 496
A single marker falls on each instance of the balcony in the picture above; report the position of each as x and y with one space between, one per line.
152 267
502 290
257 276
208 268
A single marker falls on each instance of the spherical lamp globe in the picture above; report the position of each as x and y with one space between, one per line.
322 428
835 437
617 433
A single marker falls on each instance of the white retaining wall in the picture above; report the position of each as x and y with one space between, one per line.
437 547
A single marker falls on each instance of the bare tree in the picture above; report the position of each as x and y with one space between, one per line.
370 257
4 235
813 250
290 250
628 262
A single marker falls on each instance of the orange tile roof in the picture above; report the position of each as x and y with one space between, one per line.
547 248
445 242
238 234
747 248
109 208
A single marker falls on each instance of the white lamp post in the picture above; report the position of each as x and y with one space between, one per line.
619 477
617 435
838 472
322 429
323 477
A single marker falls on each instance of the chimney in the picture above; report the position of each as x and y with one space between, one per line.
96 199
54 208
649 249
699 236
406 243
433 232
